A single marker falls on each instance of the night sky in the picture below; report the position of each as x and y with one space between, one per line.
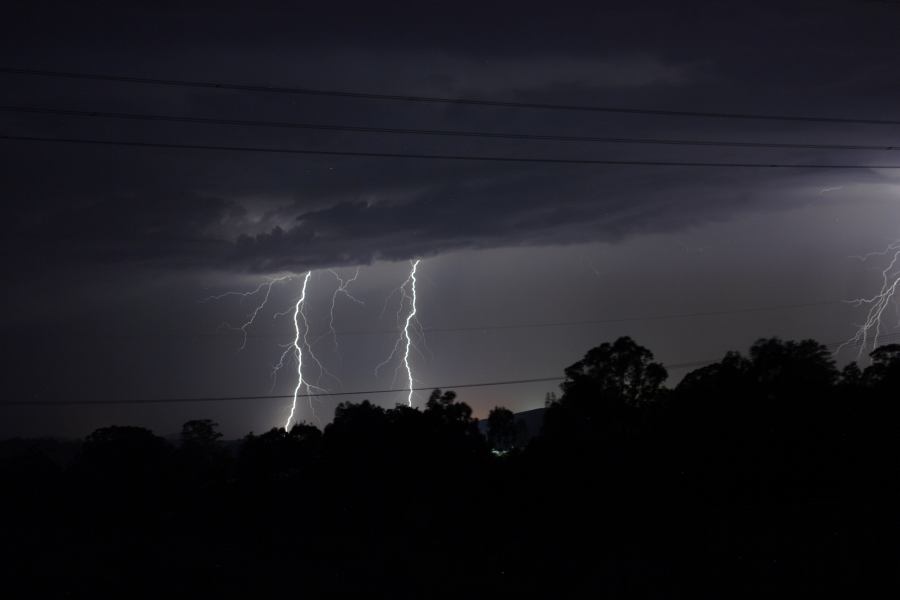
109 251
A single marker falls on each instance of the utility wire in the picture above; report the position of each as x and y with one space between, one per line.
441 99
671 366
273 396
438 132
447 157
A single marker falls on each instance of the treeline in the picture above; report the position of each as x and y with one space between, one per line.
770 473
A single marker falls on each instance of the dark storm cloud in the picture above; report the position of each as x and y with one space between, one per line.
94 205
136 229
107 250
540 209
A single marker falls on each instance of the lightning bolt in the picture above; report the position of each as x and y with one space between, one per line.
409 319
298 348
890 281
407 295
301 349
251 318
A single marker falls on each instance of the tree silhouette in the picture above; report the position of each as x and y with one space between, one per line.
788 367
502 434
622 371
884 372
763 472
444 407
279 453
201 456
125 453
200 434
604 393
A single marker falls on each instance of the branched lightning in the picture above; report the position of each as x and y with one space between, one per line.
300 349
890 281
342 289
407 295
300 345
251 318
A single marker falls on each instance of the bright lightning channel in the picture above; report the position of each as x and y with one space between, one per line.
409 319
407 293
298 349
301 347
890 281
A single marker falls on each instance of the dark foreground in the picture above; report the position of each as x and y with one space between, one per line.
772 474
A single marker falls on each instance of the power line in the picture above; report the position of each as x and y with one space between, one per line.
442 99
447 157
207 399
438 132
273 396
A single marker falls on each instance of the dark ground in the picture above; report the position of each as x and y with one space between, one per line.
770 474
